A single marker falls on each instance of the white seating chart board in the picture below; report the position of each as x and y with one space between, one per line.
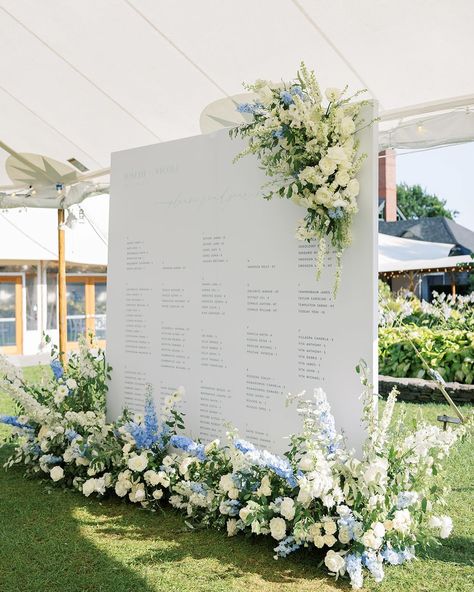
208 288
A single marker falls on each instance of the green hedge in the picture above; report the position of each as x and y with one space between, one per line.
449 351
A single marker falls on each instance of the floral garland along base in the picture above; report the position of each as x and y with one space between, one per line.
310 154
362 514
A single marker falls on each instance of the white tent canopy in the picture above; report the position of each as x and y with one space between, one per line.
83 79
403 254
30 235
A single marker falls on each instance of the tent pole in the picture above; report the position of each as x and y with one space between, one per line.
62 304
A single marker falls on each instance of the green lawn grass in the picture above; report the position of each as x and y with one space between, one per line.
55 540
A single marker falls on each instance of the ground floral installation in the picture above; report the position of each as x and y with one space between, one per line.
361 514
308 149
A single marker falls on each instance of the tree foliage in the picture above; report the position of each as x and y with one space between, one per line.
416 202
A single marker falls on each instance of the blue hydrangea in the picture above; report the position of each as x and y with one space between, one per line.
279 133
147 433
13 421
397 557
189 446
373 564
71 434
232 506
50 459
348 522
286 97
354 569
263 458
286 546
297 90
406 499
199 488
57 369
335 213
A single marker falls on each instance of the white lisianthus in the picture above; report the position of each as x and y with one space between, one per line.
376 472
334 562
231 527
278 528
163 479
137 494
56 473
122 487
332 94
185 464
379 529
265 95
287 508
402 521
71 384
138 463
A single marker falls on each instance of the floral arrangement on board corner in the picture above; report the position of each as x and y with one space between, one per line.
309 151
360 514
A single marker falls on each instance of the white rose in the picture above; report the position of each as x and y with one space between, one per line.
232 527
318 541
334 562
68 455
352 189
306 463
226 482
342 178
278 528
164 480
344 535
379 529
327 166
244 513
126 448
137 494
332 94
121 488
158 494
369 539
347 126
168 461
138 463
185 464
324 196
329 540
233 493
265 487
152 478
88 487
287 508
336 154
56 473
304 495
402 521
255 527
329 526
71 384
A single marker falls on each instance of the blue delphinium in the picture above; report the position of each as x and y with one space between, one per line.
286 97
57 369
354 569
249 107
263 458
286 546
397 557
189 446
335 213
147 433
13 421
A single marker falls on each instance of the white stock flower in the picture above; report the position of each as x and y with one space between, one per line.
332 93
287 508
278 528
138 463
56 473
334 562
71 384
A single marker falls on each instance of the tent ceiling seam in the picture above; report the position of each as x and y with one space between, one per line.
177 48
333 47
51 126
84 76
27 235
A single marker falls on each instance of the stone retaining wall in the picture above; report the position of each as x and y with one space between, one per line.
425 391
